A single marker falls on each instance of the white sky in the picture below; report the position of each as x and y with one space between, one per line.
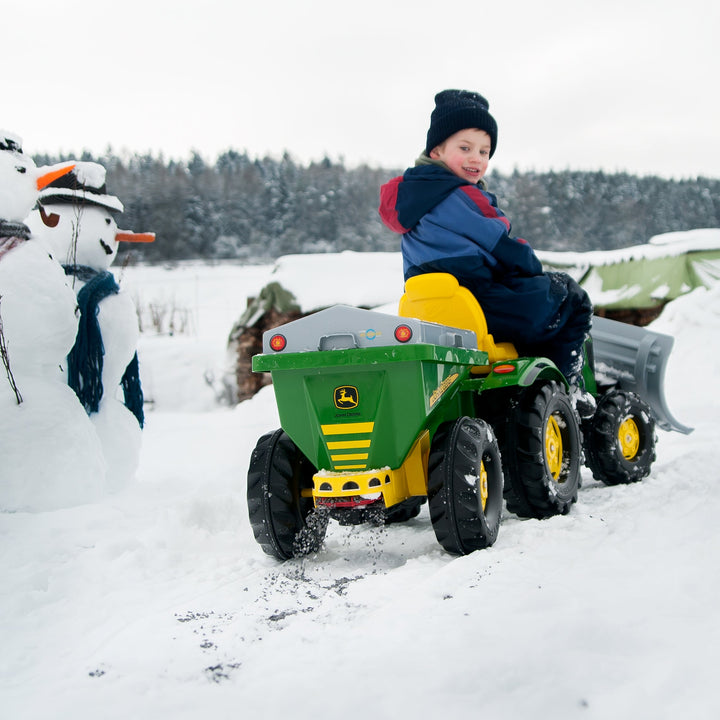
613 85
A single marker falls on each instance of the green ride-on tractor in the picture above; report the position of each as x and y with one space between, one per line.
381 413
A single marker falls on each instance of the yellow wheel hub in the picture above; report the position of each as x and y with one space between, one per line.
553 447
629 438
483 486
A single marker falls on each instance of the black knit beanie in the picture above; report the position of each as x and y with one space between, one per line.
456 110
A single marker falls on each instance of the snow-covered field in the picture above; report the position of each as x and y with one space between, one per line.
156 602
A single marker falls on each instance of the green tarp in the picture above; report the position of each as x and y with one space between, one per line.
644 276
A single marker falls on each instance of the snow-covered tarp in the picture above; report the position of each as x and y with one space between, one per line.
644 276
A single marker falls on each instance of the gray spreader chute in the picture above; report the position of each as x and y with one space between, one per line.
634 359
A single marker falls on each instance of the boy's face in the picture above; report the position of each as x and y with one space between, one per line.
466 153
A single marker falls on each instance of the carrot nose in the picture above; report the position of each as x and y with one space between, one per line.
127 236
46 178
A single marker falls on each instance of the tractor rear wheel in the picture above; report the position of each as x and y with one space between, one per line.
542 453
282 519
620 439
465 485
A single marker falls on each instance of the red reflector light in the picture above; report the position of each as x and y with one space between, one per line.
403 333
278 342
502 369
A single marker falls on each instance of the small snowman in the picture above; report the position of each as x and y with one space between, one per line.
50 454
76 221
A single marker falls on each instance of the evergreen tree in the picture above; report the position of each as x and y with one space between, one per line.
255 210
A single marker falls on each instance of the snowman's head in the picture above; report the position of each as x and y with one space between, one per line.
75 219
21 179
76 234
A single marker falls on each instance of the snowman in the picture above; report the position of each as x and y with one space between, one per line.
76 221
50 453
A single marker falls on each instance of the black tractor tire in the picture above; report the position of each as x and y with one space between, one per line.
404 511
282 520
378 515
465 485
620 439
542 453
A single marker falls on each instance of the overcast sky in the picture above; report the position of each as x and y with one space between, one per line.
617 85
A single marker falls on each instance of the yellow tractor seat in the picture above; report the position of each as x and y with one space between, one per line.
439 298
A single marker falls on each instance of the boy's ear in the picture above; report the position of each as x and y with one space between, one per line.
434 153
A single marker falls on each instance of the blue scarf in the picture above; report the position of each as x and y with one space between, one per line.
85 361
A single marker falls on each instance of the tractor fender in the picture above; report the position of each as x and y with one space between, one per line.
520 372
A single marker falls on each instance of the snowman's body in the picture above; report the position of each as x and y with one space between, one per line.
50 454
117 427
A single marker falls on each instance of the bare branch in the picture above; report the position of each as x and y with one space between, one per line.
6 362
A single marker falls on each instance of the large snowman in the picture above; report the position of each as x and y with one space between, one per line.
50 454
76 221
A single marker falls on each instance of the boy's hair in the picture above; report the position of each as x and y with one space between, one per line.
457 110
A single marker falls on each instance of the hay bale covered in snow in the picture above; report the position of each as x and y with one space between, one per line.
274 306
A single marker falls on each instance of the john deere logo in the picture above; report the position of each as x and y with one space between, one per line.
346 397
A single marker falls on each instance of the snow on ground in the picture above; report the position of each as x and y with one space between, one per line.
156 602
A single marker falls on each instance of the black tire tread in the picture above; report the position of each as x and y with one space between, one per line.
457 448
276 475
530 491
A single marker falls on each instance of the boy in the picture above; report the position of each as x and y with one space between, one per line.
450 223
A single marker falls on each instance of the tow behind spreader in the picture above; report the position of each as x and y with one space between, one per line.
381 413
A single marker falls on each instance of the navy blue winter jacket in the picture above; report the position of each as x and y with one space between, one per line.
450 225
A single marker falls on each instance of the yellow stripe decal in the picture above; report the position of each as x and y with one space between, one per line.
350 467
354 456
347 428
348 444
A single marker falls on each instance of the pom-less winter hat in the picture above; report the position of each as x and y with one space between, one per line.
85 184
456 110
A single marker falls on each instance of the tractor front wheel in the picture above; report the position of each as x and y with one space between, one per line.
465 486
620 439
